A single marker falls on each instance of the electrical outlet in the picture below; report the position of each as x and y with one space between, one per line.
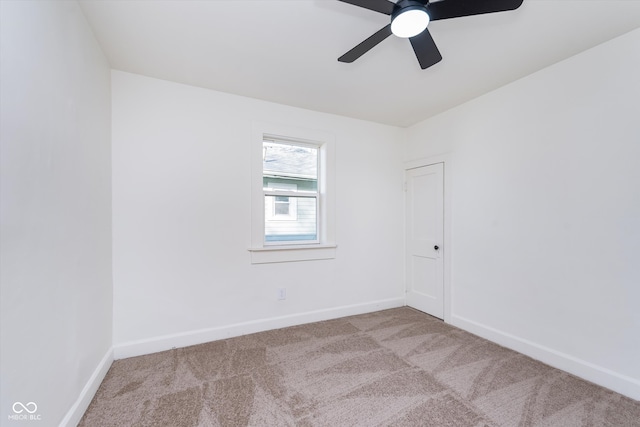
282 293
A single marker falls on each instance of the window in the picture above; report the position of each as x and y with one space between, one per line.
279 208
292 195
282 208
290 184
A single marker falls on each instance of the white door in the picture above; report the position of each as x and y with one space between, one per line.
424 239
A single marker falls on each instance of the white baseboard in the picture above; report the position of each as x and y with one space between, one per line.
185 339
596 374
74 415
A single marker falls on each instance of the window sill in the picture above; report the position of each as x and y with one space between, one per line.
292 253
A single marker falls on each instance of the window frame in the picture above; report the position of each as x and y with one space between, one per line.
325 247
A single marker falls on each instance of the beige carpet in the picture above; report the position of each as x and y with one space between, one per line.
396 367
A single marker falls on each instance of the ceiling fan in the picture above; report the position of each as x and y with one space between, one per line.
409 19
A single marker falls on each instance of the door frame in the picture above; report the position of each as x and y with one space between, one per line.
446 160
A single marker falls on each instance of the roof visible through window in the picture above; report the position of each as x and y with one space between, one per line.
292 161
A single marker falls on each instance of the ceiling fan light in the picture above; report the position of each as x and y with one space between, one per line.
410 22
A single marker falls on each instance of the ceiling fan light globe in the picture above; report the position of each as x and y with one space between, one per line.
410 22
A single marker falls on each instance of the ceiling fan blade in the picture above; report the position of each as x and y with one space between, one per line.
382 6
366 45
426 50
456 8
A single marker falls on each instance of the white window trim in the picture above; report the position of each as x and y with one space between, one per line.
326 247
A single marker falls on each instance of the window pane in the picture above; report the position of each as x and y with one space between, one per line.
290 167
281 206
288 227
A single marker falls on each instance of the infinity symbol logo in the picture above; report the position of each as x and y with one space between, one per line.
22 407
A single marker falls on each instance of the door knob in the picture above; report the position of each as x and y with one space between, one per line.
436 247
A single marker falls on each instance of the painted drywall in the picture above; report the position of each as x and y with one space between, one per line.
55 209
182 217
546 212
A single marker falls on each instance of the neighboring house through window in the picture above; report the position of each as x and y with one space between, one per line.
280 208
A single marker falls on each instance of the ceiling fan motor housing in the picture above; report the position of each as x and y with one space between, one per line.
404 5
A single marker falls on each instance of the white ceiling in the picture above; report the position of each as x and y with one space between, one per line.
286 51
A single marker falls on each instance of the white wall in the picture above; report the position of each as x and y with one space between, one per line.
546 212
55 209
182 212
